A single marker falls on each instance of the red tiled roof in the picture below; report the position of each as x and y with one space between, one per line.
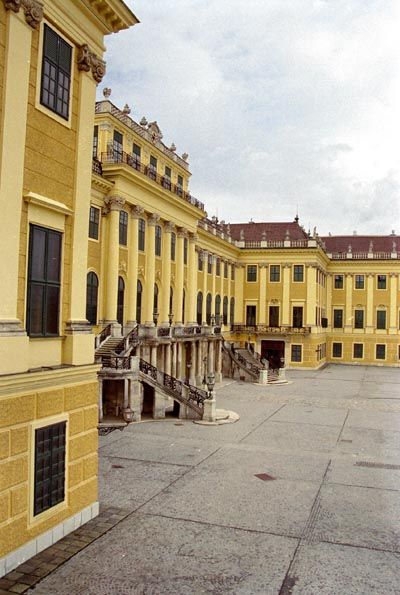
253 232
361 243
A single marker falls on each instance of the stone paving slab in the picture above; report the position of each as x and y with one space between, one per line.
155 555
300 414
376 420
358 516
327 569
291 436
365 442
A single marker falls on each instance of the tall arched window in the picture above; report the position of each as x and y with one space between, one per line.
171 300
217 309
155 301
139 291
199 308
183 305
208 308
92 287
173 246
232 312
225 311
120 301
141 234
158 240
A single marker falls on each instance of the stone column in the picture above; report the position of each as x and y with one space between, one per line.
148 292
126 393
114 204
174 368
136 214
262 310
166 273
369 328
230 265
311 302
239 285
179 363
218 362
179 269
211 361
393 305
204 256
199 366
153 357
286 295
192 280
167 359
193 361
348 317
213 283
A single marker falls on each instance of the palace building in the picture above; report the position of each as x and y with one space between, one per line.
120 299
50 63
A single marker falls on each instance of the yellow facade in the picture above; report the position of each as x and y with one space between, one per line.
48 379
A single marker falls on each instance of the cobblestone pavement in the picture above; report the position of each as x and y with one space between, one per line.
300 496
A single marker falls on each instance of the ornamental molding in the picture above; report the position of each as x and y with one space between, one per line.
122 267
153 219
193 237
137 212
33 10
182 232
169 227
113 203
89 61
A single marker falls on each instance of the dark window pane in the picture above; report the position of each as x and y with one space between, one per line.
358 349
252 273
380 352
359 319
381 319
53 257
49 471
297 316
274 316
52 309
35 312
338 281
56 73
38 254
296 353
298 273
336 349
337 318
274 273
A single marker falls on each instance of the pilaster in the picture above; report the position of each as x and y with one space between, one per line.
113 204
370 304
393 304
136 214
348 318
179 269
148 301
311 302
262 309
192 277
166 272
204 256
239 285
286 294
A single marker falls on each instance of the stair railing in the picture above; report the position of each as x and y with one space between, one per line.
102 336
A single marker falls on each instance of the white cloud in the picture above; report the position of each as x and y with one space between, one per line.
277 103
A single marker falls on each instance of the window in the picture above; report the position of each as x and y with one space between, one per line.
199 308
173 246
167 172
155 303
358 318
381 319
139 291
185 250
44 268
297 316
183 306
141 234
274 316
298 273
338 319
136 156
118 145
338 281
251 314
225 311
381 281
123 228
252 273
358 350
380 352
157 245
200 261
56 73
218 309
208 308
209 264
232 311
171 300
218 268
274 273
120 300
232 272
225 270
296 353
152 171
359 282
92 286
94 218
167 178
49 487
95 141
337 349
180 181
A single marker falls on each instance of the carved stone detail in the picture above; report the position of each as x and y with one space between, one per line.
114 203
169 227
153 219
33 10
182 232
137 212
88 60
193 237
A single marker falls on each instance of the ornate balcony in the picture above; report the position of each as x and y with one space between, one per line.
263 329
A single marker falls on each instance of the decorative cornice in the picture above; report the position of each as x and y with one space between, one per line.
33 10
88 60
137 212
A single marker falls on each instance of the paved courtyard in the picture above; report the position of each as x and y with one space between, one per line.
301 495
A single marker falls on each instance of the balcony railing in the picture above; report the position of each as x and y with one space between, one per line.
134 162
364 255
96 166
275 330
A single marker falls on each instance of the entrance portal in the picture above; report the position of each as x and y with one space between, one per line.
273 352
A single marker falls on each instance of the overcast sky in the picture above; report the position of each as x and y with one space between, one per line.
279 103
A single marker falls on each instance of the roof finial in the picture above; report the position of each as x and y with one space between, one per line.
297 214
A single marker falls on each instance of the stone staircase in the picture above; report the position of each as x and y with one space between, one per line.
108 347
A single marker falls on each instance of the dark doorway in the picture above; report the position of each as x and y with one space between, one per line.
250 315
148 400
273 352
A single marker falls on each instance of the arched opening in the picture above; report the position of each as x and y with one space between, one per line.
208 308
183 305
120 300
225 311
199 315
92 288
217 309
139 292
232 312
155 304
